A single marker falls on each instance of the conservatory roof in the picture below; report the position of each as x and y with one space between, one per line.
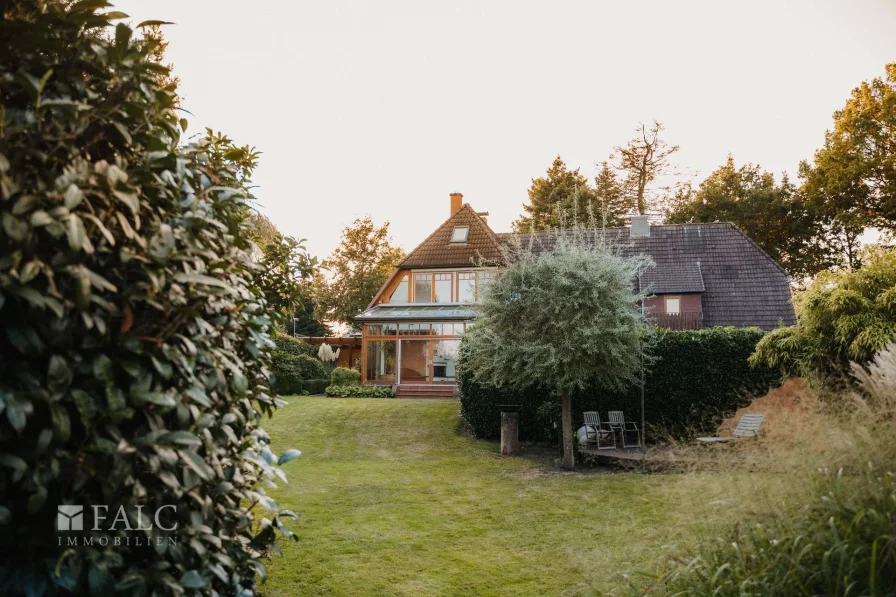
416 311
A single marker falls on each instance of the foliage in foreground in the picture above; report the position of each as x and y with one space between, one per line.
365 391
842 542
697 378
135 342
844 316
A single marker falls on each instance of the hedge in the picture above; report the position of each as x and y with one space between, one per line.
297 387
294 346
343 376
135 348
290 372
360 392
698 378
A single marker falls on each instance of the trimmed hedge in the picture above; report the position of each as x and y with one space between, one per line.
343 376
290 372
698 378
360 392
294 346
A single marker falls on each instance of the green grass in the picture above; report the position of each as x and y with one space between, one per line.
393 500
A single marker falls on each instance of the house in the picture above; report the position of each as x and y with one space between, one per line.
704 275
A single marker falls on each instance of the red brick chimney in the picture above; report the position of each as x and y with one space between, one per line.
457 201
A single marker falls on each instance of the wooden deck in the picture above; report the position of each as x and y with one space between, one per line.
653 459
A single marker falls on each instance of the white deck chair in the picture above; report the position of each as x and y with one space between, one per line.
618 422
748 426
602 434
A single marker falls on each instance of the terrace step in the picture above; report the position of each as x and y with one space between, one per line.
426 390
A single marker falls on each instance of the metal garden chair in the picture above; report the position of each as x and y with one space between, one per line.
602 434
748 426
618 423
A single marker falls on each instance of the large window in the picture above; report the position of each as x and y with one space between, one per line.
382 361
400 294
466 287
422 288
443 288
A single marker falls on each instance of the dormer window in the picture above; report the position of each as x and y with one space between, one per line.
459 234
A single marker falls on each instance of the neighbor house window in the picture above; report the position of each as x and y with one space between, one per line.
673 305
400 294
422 288
459 234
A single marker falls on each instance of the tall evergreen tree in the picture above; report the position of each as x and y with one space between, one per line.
611 205
560 191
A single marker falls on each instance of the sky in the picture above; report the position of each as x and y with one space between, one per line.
384 108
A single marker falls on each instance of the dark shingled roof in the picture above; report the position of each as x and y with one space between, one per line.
741 285
675 278
438 250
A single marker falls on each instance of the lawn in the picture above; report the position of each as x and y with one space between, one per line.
394 500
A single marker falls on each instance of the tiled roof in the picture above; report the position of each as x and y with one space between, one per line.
742 286
673 279
438 250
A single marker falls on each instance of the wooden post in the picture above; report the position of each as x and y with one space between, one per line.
568 454
510 432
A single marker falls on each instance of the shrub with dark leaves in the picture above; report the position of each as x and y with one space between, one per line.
134 342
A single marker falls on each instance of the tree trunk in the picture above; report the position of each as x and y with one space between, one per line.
568 454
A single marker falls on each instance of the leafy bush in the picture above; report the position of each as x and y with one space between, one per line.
294 346
698 377
135 346
844 316
343 376
291 371
360 392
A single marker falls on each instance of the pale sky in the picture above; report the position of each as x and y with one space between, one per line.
384 108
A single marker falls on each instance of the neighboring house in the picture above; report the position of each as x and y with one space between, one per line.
704 275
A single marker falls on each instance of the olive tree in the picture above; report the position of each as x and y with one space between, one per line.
563 315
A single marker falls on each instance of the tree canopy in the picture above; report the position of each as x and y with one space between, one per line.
568 318
360 265
853 176
773 215
844 316
560 190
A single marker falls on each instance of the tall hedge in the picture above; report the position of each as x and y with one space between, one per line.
134 342
294 346
698 378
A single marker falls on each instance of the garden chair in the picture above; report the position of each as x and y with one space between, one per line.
603 434
748 426
618 423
